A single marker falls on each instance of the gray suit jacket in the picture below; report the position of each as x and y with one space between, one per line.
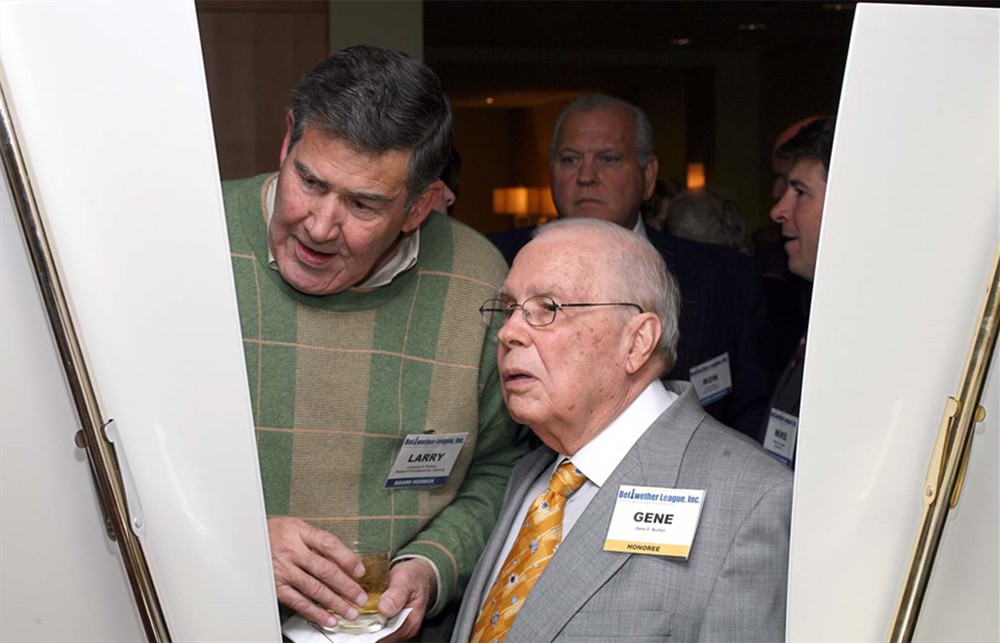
732 587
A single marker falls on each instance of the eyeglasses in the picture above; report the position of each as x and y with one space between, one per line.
538 311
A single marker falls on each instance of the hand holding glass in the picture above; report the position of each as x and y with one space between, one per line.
374 581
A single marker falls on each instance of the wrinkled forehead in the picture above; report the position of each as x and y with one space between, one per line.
563 265
611 125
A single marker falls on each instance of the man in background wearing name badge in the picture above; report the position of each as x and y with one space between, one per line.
641 516
800 213
358 311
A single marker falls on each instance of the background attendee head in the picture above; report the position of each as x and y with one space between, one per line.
780 165
367 135
709 217
569 379
602 160
655 209
377 101
800 209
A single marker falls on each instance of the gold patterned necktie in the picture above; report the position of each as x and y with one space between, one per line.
536 542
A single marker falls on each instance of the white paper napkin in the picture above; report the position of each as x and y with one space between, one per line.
300 630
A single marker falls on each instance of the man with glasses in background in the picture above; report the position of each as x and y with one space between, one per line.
641 516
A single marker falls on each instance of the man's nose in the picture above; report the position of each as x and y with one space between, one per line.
587 174
516 331
781 210
324 220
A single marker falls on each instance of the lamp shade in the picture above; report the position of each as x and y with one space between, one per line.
696 176
548 205
512 201
517 201
499 201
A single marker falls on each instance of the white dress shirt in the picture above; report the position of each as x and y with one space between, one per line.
597 460
640 228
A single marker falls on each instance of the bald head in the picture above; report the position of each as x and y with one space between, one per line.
589 320
633 269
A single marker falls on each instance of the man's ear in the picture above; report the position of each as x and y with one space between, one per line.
649 174
289 126
644 335
422 206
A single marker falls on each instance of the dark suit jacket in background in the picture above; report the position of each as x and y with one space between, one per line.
722 311
731 588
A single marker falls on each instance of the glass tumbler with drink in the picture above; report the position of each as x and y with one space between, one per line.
374 581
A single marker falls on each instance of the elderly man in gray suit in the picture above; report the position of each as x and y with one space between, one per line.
641 517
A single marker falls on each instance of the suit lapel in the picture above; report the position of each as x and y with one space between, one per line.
581 566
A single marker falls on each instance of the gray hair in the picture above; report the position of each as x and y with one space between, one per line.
377 101
601 103
639 275
708 217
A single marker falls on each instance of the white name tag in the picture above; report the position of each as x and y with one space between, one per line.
654 520
712 379
780 437
425 460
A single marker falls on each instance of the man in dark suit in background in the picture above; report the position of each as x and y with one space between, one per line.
603 167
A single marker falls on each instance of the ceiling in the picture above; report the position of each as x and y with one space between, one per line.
521 54
649 24
506 50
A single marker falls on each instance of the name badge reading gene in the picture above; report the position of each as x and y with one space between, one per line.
654 520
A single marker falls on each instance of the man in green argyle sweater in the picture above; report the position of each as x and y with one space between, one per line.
359 313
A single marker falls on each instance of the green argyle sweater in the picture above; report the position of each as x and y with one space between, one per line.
336 382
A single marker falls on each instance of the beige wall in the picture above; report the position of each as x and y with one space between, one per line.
255 52
393 24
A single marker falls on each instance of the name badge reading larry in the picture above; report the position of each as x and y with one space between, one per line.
425 460
654 520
